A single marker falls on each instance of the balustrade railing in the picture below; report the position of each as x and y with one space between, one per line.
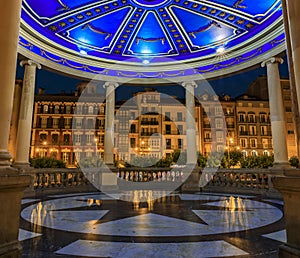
222 180
151 174
42 178
251 179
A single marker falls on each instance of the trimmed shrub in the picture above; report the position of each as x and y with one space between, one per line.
47 162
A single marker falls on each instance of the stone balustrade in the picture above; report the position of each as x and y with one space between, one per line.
151 174
240 178
49 180
254 181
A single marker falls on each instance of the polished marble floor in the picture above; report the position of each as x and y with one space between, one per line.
150 224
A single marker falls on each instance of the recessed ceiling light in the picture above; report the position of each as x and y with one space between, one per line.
221 50
83 52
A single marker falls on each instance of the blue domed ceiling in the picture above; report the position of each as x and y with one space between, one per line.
150 38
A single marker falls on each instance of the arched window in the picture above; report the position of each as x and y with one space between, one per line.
266 153
254 153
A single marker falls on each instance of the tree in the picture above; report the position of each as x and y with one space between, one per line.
201 160
257 161
47 162
233 159
294 161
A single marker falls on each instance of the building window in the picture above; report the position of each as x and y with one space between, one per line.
68 122
167 116
220 136
243 143
180 143
144 110
263 130
288 109
44 122
55 122
254 153
168 144
90 123
180 129
219 123
242 117
132 128
290 131
263 117
91 110
132 142
168 129
68 109
90 138
77 138
45 109
43 138
179 116
56 109
218 111
251 118
265 143
55 138
242 130
66 139
266 153
253 143
132 115
252 130
66 157
244 152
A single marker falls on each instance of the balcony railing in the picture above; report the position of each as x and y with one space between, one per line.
149 122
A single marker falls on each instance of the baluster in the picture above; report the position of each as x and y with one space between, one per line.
43 180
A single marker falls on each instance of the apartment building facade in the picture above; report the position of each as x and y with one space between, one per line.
152 124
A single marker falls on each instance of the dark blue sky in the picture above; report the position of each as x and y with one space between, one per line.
234 85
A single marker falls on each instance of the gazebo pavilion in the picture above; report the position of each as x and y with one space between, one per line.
145 42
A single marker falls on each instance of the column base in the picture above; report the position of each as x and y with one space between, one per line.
11 250
281 165
289 187
11 192
5 158
286 251
22 166
109 179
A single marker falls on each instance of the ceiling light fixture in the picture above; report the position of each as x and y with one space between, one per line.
221 50
83 52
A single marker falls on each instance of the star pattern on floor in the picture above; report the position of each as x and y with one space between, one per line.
85 221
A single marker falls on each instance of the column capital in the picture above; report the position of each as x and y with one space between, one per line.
189 83
109 84
272 60
30 62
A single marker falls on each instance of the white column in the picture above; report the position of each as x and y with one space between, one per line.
277 113
26 112
109 122
190 122
293 20
12 143
9 33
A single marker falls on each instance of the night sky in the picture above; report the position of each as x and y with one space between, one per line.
233 85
